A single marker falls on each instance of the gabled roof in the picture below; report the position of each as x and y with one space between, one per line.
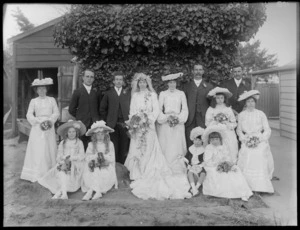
35 29
288 66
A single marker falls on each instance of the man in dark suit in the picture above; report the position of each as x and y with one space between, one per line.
114 109
236 86
85 102
196 91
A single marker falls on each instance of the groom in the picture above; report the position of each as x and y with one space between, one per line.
196 91
114 109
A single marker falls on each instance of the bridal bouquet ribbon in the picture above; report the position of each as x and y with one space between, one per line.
172 120
221 117
252 141
65 165
138 127
226 167
45 125
99 162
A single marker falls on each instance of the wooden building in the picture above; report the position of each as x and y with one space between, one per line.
287 97
36 56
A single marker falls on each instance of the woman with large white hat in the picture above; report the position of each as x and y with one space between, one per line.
66 175
99 173
223 178
42 147
255 157
220 112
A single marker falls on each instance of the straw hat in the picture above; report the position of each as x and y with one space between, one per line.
198 131
98 126
42 82
217 90
75 124
252 93
220 128
171 76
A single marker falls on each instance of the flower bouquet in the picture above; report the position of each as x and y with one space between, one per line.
45 125
226 166
172 120
221 117
252 141
138 126
65 165
99 162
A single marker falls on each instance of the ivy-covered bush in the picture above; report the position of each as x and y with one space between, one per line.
158 39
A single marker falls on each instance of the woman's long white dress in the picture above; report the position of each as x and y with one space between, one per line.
42 147
101 180
256 163
153 178
230 139
226 185
55 180
172 139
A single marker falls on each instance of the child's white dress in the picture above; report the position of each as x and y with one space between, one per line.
101 180
227 185
42 147
72 181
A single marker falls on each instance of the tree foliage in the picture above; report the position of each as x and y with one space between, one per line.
22 20
157 39
254 58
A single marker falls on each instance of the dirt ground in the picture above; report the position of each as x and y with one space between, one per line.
30 204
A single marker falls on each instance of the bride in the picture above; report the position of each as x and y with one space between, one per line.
151 175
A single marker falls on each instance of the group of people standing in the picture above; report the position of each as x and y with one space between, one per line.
171 143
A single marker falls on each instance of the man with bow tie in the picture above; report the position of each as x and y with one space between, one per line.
114 109
236 86
85 102
196 91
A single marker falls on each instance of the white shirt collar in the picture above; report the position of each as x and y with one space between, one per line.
238 82
118 90
197 82
88 88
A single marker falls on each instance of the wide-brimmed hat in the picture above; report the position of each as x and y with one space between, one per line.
42 82
171 76
198 131
98 126
252 93
214 91
75 124
220 128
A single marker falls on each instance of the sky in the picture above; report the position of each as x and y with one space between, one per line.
278 34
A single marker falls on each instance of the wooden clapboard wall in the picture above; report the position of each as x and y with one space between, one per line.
288 103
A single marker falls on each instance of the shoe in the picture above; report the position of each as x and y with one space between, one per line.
97 196
195 192
64 196
245 198
198 186
88 195
57 195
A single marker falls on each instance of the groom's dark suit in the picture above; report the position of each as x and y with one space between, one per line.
197 104
84 106
114 110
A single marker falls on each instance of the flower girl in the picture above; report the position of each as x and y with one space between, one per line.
66 175
195 160
100 171
223 178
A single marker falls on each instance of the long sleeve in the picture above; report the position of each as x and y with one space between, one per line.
267 130
184 109
155 108
74 103
209 117
110 156
80 154
60 152
239 131
55 113
103 107
89 154
133 106
30 117
162 118
232 121
208 157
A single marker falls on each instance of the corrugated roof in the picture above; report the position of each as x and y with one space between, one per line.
288 66
35 29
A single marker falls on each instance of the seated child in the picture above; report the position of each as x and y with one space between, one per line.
66 175
223 178
99 173
194 159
